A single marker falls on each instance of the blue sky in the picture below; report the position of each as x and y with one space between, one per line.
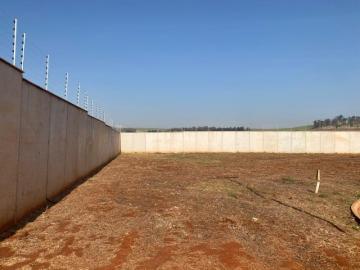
167 63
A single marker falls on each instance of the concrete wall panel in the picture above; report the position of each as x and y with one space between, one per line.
97 141
215 140
189 142
103 144
271 142
92 145
34 143
284 142
229 141
257 141
313 142
139 142
354 142
72 145
57 147
102 149
127 143
177 142
342 142
164 142
82 145
152 142
88 149
298 144
327 142
10 111
202 141
242 141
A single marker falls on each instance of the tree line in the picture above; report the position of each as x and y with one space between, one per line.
207 128
338 122
194 128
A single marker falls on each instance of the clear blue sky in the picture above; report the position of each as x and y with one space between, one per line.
167 63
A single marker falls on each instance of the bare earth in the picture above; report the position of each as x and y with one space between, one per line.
199 211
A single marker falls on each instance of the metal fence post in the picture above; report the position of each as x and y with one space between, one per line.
47 72
14 42
23 51
78 95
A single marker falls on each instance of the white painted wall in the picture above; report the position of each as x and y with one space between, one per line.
242 141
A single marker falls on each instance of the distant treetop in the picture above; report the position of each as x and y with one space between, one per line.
338 122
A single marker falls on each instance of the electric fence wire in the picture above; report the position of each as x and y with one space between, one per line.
34 68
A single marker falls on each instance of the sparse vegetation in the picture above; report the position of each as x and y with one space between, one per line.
232 194
174 210
288 180
356 227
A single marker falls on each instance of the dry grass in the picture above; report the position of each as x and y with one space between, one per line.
199 211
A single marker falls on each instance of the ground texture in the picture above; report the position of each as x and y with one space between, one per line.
198 211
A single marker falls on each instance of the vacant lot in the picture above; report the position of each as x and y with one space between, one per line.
199 211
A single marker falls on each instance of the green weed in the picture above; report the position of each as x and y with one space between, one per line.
232 194
288 180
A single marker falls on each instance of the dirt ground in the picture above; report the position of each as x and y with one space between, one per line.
198 211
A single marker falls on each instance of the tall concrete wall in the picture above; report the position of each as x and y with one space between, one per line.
242 141
10 116
72 144
33 157
46 144
57 146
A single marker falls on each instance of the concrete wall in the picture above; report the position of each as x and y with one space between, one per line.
10 115
243 141
33 156
46 144
57 146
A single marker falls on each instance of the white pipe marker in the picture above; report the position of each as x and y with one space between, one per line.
318 182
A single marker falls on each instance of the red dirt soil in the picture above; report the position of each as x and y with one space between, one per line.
199 211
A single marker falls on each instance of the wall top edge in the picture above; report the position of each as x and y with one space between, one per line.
11 65
53 95
251 131
64 100
92 117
